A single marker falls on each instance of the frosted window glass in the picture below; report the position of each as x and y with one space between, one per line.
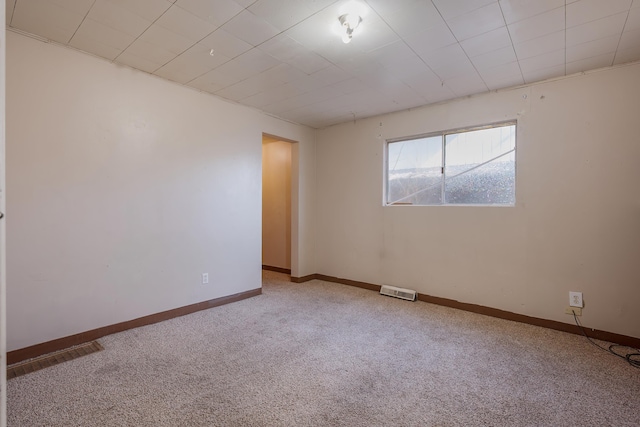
490 184
415 171
475 167
480 166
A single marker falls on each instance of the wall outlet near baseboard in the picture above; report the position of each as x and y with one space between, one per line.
575 299
205 278
571 310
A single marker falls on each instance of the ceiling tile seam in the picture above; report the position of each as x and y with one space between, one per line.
467 12
404 41
316 53
302 106
214 68
465 52
476 68
524 85
263 91
256 47
422 59
588 58
312 104
219 26
479 34
579 45
513 46
620 38
598 18
319 54
161 15
81 22
534 15
141 34
218 66
245 79
296 24
185 50
75 49
512 88
13 11
216 29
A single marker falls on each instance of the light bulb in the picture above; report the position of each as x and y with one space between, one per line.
349 23
353 21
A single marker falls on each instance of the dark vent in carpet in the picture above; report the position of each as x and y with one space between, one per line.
51 359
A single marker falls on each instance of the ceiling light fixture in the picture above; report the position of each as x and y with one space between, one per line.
349 22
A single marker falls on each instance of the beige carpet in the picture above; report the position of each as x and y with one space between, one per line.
323 354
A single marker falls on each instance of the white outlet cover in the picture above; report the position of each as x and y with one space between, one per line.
575 299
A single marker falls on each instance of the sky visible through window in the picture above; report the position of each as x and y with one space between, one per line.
462 149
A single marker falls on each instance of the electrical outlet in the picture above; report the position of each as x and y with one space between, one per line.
575 299
205 278
571 310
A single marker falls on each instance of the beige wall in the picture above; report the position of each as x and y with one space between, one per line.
124 188
276 203
3 252
575 226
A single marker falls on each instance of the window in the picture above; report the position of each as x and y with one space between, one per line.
467 167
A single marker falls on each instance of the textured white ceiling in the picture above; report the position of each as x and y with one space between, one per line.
285 57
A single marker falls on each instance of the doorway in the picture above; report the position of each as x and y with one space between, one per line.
276 204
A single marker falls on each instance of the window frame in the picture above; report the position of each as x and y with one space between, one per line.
442 135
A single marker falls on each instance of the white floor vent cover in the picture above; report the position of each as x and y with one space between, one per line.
392 291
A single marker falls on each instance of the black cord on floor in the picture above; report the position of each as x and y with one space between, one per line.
632 358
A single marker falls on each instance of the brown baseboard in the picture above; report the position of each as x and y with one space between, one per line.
276 269
493 312
545 323
363 285
304 278
83 337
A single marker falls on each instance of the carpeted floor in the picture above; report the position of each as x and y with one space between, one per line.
323 354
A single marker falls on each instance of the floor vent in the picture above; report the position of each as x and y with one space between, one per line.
32 365
392 291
